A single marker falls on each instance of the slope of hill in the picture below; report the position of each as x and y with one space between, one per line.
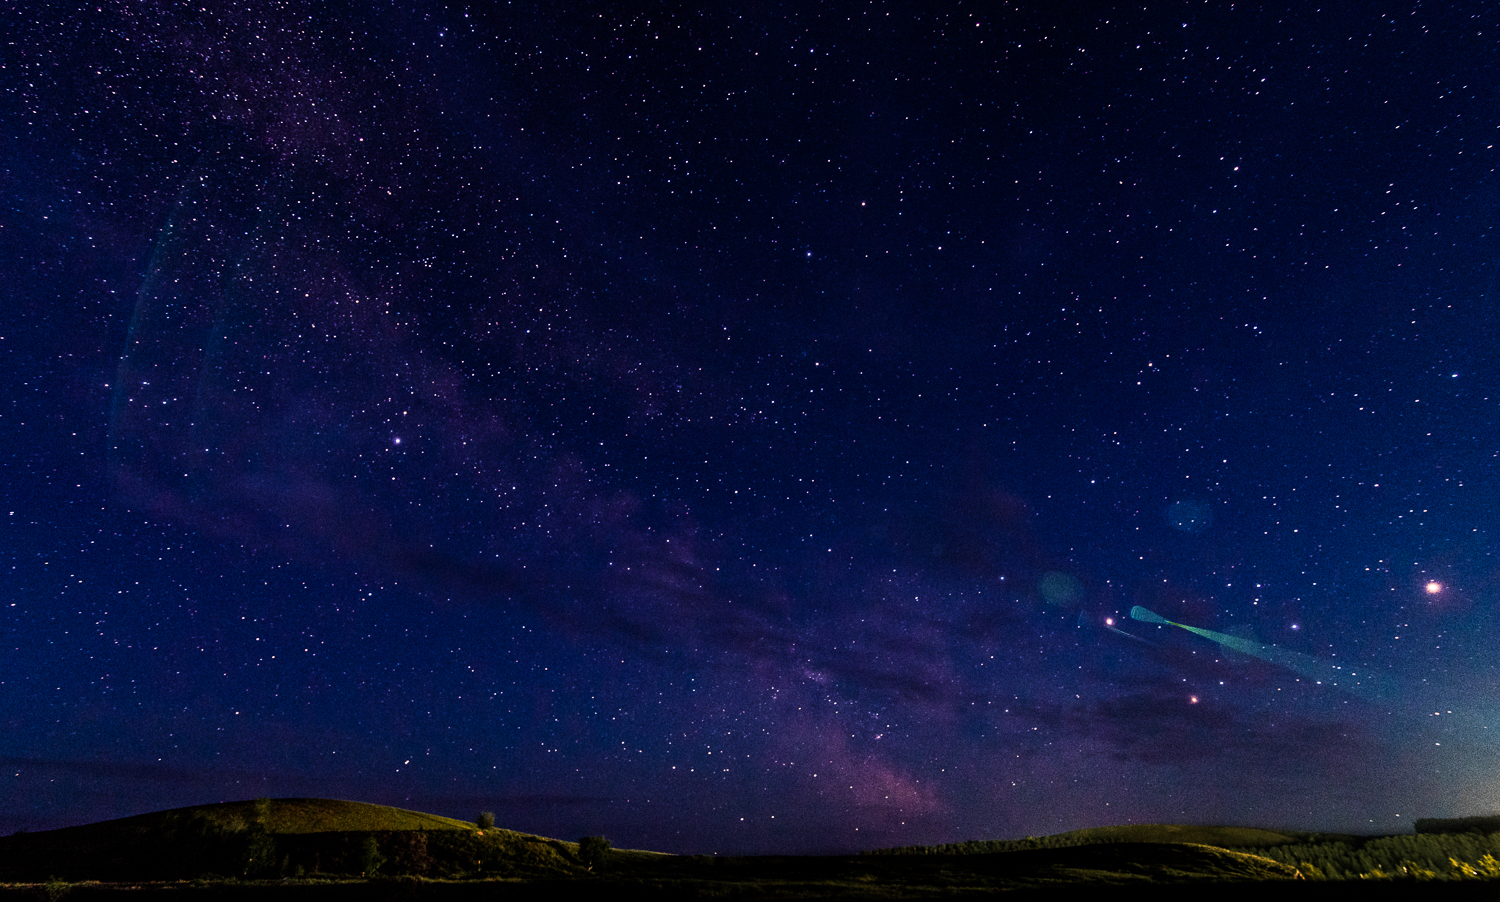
331 849
332 838
1225 837
1229 837
280 837
330 816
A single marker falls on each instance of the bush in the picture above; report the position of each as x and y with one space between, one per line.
258 852
593 851
370 857
486 820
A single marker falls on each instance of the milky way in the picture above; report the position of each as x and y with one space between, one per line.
750 431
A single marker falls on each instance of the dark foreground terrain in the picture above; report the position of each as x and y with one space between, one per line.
327 851
764 886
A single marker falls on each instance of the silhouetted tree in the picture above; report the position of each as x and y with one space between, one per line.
258 846
486 820
370 857
593 851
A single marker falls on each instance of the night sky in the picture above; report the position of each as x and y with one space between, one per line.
750 430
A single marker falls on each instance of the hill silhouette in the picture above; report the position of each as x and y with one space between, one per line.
277 838
332 849
1223 837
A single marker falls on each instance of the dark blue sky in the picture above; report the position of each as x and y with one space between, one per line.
750 431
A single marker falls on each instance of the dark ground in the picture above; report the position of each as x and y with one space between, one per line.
380 891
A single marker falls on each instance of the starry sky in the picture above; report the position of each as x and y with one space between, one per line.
750 430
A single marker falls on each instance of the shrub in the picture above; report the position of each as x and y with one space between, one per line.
258 852
370 857
486 820
407 852
593 851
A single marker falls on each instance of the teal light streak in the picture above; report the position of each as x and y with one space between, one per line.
1362 681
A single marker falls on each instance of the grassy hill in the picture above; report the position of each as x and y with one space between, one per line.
281 837
333 849
1224 837
325 816
281 816
1452 855
327 838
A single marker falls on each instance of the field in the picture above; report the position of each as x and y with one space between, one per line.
323 850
